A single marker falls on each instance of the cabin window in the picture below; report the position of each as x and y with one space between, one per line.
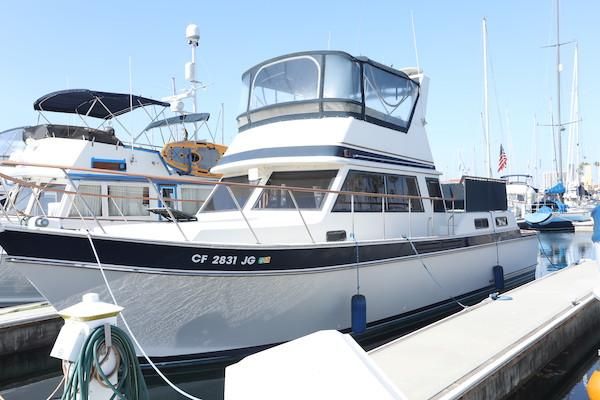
49 200
280 197
361 182
434 190
20 199
406 186
389 97
342 78
501 221
130 201
482 223
91 195
220 199
192 199
294 79
379 183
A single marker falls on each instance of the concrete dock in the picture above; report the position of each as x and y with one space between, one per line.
28 327
488 350
483 352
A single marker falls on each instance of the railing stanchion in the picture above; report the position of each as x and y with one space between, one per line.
77 194
383 214
242 213
119 208
168 208
10 202
301 217
409 218
352 214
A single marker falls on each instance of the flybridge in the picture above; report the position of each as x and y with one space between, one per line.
328 83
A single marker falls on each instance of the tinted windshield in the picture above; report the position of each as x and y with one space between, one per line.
221 200
282 198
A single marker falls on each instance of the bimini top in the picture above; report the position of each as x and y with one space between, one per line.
179 119
320 84
91 103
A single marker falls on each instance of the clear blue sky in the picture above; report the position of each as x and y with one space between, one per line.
53 45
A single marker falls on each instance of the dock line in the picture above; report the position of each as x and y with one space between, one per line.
165 379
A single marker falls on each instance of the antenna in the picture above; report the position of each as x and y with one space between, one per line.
222 123
412 20
130 87
486 119
192 34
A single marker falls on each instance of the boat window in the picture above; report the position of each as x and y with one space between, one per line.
91 195
293 79
342 78
11 141
193 199
220 199
501 221
49 200
482 223
434 190
454 196
280 198
20 196
361 182
245 93
131 201
402 185
389 97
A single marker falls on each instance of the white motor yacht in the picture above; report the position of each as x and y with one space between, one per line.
328 191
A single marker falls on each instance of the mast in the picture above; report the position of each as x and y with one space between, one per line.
486 119
558 68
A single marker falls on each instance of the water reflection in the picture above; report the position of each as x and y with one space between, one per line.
559 250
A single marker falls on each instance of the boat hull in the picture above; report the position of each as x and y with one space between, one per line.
178 313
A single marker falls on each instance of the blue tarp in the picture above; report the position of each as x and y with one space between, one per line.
559 188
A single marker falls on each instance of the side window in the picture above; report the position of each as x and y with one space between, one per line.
129 200
280 198
91 195
433 188
193 199
501 221
406 186
220 198
361 182
482 223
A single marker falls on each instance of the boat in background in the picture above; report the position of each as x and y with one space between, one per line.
550 213
329 209
521 194
82 191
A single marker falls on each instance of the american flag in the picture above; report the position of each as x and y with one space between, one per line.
503 160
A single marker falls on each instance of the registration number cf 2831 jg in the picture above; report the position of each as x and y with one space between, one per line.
229 260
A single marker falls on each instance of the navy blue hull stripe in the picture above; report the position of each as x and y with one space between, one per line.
316 151
121 252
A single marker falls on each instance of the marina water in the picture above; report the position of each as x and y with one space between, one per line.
563 378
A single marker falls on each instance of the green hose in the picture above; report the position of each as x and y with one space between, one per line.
130 384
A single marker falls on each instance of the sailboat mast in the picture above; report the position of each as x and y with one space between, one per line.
558 68
486 119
